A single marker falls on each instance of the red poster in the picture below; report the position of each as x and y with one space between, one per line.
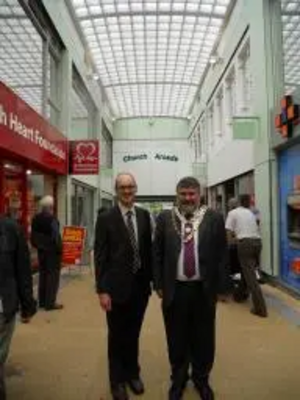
73 244
84 157
27 135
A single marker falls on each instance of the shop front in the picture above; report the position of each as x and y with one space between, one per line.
287 147
33 154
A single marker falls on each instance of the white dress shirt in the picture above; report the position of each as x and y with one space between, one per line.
180 267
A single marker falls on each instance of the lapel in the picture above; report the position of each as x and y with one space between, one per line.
202 228
121 227
176 239
139 223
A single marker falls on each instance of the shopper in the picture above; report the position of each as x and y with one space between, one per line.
46 238
15 287
241 224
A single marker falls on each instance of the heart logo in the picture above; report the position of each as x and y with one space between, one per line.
85 152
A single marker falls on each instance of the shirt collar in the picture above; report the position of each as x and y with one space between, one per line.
124 210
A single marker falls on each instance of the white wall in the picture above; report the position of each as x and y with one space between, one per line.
151 128
226 157
154 177
235 158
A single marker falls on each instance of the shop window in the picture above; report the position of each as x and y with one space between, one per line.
83 110
83 209
54 90
231 94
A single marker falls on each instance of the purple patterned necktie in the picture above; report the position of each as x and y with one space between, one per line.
189 262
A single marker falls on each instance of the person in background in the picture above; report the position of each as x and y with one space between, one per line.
123 274
16 289
46 238
241 224
189 270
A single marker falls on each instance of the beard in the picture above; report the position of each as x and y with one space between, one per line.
188 209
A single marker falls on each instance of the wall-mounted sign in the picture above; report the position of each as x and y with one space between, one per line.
166 157
288 118
137 157
158 156
27 135
84 157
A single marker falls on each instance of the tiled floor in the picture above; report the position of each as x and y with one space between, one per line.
62 355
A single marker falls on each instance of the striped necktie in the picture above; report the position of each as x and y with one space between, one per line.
132 236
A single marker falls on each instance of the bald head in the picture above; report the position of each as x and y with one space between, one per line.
126 188
124 178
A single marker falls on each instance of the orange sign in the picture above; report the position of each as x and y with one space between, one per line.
296 266
73 244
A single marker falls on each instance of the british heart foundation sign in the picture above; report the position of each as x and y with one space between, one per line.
84 157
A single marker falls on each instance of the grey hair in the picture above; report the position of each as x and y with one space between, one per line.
47 201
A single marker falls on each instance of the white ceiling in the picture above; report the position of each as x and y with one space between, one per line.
291 42
151 54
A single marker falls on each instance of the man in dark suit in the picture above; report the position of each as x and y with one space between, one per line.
123 273
15 286
189 261
46 238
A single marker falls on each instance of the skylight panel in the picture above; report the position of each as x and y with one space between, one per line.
151 41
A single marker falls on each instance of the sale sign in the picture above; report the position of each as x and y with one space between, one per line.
73 244
84 157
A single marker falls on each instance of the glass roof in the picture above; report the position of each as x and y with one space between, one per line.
291 43
20 53
151 54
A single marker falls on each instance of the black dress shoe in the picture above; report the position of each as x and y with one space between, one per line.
263 314
205 391
119 392
175 393
54 307
137 386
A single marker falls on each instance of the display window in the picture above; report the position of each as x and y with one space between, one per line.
22 189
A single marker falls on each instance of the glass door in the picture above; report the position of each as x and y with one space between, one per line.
14 192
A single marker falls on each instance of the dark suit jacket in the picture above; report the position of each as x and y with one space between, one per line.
45 234
114 254
212 253
15 270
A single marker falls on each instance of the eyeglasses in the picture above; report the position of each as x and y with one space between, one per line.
128 187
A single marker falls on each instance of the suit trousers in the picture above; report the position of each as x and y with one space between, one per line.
190 330
249 252
6 333
124 326
49 277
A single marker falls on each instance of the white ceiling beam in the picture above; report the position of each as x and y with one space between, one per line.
151 13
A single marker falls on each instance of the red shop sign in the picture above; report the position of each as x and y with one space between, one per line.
84 157
24 133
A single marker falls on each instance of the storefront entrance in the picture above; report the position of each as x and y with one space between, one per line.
32 155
